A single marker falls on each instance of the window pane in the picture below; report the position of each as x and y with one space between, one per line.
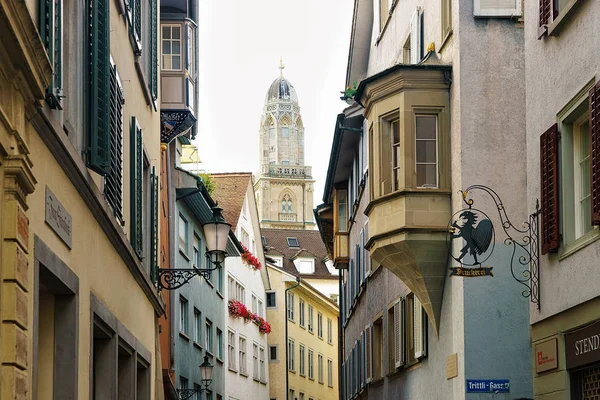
166 47
426 175
426 151
176 63
285 131
396 131
426 126
176 32
176 47
166 32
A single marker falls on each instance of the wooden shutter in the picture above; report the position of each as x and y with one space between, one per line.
359 268
50 25
399 333
416 38
154 225
98 83
113 184
418 328
367 253
594 104
136 173
135 27
549 188
369 352
153 50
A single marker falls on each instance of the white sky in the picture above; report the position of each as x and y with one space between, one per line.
239 48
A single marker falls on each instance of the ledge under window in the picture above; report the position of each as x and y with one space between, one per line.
563 16
579 243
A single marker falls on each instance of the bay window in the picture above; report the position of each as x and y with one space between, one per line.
171 47
426 151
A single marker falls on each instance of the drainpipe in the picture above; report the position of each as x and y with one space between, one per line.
287 370
171 253
340 334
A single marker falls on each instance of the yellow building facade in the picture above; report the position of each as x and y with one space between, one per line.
79 137
312 340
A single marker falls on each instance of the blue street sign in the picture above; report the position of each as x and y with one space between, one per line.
488 386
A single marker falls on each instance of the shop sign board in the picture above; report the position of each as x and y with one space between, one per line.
546 355
582 346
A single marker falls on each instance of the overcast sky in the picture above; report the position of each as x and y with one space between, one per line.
239 48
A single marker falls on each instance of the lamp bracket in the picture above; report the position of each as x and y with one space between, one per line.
174 278
184 394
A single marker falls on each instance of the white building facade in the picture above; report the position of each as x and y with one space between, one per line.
245 347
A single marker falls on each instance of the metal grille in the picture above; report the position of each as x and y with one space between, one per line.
590 384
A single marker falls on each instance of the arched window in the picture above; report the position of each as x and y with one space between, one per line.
286 204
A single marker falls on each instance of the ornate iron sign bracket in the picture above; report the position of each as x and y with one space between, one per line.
187 393
524 266
174 278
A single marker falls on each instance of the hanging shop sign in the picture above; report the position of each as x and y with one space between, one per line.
471 240
473 231
582 346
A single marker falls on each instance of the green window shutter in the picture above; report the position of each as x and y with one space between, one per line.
154 226
98 84
135 27
154 49
113 188
136 172
50 24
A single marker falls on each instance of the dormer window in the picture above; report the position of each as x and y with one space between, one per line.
292 242
305 266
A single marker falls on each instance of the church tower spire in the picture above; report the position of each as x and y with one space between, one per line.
284 185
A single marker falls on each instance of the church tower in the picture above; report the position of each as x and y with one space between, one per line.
284 185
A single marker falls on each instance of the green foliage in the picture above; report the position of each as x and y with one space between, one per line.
208 181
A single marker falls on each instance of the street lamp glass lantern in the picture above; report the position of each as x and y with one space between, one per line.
206 370
216 232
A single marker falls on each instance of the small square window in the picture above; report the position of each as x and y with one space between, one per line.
271 300
292 242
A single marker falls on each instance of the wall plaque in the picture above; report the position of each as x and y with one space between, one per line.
452 366
58 218
583 346
546 355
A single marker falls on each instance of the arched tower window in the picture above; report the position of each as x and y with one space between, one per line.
286 204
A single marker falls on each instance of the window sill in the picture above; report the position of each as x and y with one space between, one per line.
209 283
231 369
183 335
376 381
244 374
197 345
220 294
219 360
312 379
321 383
556 25
263 382
256 380
210 354
302 326
579 244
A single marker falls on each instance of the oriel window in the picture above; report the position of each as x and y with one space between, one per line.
171 47
426 151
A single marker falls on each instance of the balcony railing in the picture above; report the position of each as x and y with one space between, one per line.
287 171
287 217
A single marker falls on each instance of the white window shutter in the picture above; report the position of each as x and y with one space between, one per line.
369 348
497 8
376 19
399 333
416 41
418 329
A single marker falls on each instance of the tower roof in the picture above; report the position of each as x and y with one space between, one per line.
281 89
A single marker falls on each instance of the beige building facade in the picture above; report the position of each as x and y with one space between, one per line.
312 340
77 150
283 185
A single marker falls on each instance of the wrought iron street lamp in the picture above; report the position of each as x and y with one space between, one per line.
216 233
206 370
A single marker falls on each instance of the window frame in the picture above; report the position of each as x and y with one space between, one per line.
181 45
437 150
